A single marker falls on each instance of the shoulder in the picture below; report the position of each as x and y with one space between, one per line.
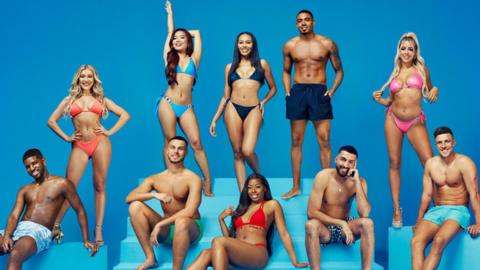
290 43
273 204
264 63
464 161
191 176
323 175
431 162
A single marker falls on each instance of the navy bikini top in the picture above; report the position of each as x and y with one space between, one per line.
190 69
256 75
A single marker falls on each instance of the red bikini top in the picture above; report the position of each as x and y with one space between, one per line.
257 219
96 107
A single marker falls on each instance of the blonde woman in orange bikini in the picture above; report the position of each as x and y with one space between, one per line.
409 82
86 105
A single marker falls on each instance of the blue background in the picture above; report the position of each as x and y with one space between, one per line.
44 42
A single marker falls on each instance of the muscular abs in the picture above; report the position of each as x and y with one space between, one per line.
310 59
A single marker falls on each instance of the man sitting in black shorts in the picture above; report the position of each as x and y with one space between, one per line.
329 218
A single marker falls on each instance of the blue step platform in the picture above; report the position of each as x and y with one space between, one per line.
460 254
334 257
70 255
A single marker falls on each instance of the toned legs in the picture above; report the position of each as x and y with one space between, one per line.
243 138
297 133
322 129
440 236
203 260
186 232
100 164
226 250
76 167
363 228
189 125
23 249
315 233
394 138
143 219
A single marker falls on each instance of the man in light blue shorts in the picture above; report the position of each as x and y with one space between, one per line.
40 201
450 180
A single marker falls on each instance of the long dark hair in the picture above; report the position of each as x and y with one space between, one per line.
173 58
245 202
254 56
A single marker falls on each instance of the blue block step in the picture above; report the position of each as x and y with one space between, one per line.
460 254
70 255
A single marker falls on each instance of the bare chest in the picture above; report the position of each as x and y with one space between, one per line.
44 194
309 52
446 175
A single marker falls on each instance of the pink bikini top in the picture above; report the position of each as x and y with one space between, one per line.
414 81
96 107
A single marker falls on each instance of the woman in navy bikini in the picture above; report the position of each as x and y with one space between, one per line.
249 243
409 81
86 105
243 110
182 57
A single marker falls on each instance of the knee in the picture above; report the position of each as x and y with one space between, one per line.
311 227
247 152
417 242
297 141
182 224
238 154
99 184
15 257
135 208
438 243
218 242
395 163
324 141
196 145
367 224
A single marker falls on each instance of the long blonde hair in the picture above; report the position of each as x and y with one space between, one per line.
418 62
75 91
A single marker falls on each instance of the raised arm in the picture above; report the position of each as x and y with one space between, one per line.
228 212
337 66
287 67
197 46
223 102
123 117
426 193
13 219
470 177
170 29
53 123
363 206
270 82
284 235
432 94
72 197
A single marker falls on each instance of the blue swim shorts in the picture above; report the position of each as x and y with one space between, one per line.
439 214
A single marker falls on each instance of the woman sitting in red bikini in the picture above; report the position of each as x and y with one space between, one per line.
86 105
247 243
409 81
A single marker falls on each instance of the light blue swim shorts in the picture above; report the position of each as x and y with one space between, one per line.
41 234
439 214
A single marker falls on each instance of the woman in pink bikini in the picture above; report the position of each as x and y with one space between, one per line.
86 105
248 241
408 83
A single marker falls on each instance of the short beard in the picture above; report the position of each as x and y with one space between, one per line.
338 169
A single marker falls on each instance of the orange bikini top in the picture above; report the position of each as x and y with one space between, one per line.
257 219
96 107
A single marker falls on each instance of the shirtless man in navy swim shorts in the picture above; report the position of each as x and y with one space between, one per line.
308 98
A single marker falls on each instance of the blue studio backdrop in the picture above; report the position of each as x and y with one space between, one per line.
44 42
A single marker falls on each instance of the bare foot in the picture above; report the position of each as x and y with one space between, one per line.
148 264
207 188
292 193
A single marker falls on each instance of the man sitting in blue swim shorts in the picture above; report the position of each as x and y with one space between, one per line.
41 199
450 179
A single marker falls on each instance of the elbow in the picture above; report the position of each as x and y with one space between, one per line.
126 116
309 214
51 123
